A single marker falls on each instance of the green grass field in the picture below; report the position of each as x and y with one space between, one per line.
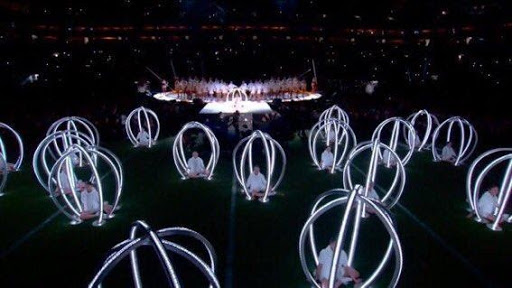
38 248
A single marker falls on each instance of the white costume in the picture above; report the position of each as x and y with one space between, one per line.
90 200
327 159
325 258
195 165
143 138
448 153
63 177
486 204
256 182
387 157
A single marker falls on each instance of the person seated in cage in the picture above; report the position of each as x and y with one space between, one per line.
90 199
327 159
344 274
66 186
388 158
143 138
487 204
7 166
448 154
196 167
257 184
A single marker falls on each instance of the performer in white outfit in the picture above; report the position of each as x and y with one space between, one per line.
327 159
448 154
63 177
388 157
488 202
344 274
143 138
90 199
256 183
196 166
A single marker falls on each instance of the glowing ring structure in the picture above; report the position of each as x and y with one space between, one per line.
3 149
4 173
466 146
398 124
178 152
473 186
72 124
73 207
351 199
48 150
143 116
431 124
344 136
244 162
156 239
335 112
394 192
237 94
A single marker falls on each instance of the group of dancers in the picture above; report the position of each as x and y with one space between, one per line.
256 90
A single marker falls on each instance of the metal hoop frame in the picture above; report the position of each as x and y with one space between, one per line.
143 116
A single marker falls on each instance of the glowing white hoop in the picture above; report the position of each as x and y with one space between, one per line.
74 123
343 136
350 199
394 192
178 152
161 246
466 145
398 124
431 124
243 163
236 95
494 157
4 172
3 149
335 112
144 117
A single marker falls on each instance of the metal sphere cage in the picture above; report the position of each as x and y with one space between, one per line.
237 94
342 136
397 124
335 112
468 138
53 166
353 203
141 234
139 119
178 151
490 162
396 188
75 124
243 162
424 123
5 153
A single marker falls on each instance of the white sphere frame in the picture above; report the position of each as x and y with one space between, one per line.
3 149
473 186
73 207
160 245
346 139
40 161
432 124
398 125
466 148
395 191
237 94
335 112
178 152
269 147
352 199
143 115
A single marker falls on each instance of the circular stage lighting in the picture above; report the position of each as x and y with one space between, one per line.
144 122
352 203
166 251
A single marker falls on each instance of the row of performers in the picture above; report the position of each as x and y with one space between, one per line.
203 87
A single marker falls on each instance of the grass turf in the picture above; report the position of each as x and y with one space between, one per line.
438 241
